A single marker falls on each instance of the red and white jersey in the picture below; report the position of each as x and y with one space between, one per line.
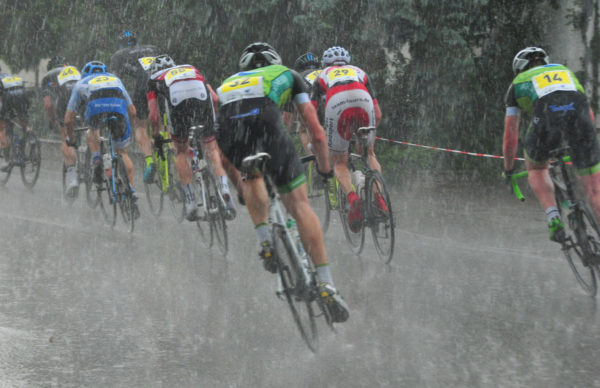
177 84
337 79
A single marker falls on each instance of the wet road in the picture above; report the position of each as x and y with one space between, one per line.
475 296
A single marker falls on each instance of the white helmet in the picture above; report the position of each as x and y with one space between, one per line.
525 56
258 54
162 61
335 56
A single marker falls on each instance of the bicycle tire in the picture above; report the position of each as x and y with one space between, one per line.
205 231
301 307
216 213
124 197
155 192
92 194
356 240
175 190
32 160
576 245
4 176
377 219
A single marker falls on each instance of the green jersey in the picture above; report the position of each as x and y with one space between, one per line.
276 82
538 82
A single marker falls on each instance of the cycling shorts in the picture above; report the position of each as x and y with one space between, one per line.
99 109
15 104
188 113
563 115
256 125
345 112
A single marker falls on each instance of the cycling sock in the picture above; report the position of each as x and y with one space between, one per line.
189 190
149 160
224 184
263 232
324 273
96 158
552 212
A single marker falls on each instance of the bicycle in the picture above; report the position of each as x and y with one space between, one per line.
582 234
166 182
210 200
297 280
368 184
82 163
25 152
317 192
114 189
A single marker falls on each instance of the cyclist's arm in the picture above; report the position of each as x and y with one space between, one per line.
318 139
511 136
49 107
377 112
214 97
592 116
154 114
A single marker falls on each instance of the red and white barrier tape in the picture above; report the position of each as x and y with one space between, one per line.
445 149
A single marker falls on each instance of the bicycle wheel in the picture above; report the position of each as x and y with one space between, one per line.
175 190
4 175
356 240
216 212
155 190
581 246
380 221
205 231
31 160
318 195
92 193
124 194
294 290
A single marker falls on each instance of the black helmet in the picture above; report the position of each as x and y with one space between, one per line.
523 59
259 54
163 61
306 61
127 38
56 61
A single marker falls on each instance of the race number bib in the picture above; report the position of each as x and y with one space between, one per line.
179 73
11 82
238 89
551 81
67 74
185 90
311 77
341 74
146 62
103 82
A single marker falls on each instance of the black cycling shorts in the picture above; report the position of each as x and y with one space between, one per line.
256 125
563 115
188 113
15 104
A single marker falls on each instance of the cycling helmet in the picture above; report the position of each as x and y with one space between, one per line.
93 67
335 56
127 38
163 61
524 58
259 54
56 61
306 61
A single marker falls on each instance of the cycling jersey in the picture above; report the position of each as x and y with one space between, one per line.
132 66
103 94
182 94
250 120
560 109
14 103
58 84
349 104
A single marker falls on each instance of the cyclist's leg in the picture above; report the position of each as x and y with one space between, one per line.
212 153
4 145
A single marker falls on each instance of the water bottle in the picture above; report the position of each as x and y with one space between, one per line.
106 160
358 180
293 228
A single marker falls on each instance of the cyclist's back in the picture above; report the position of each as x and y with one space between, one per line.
15 102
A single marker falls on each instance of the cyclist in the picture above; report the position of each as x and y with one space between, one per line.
103 96
350 104
131 63
14 106
560 108
249 121
308 67
183 94
57 86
